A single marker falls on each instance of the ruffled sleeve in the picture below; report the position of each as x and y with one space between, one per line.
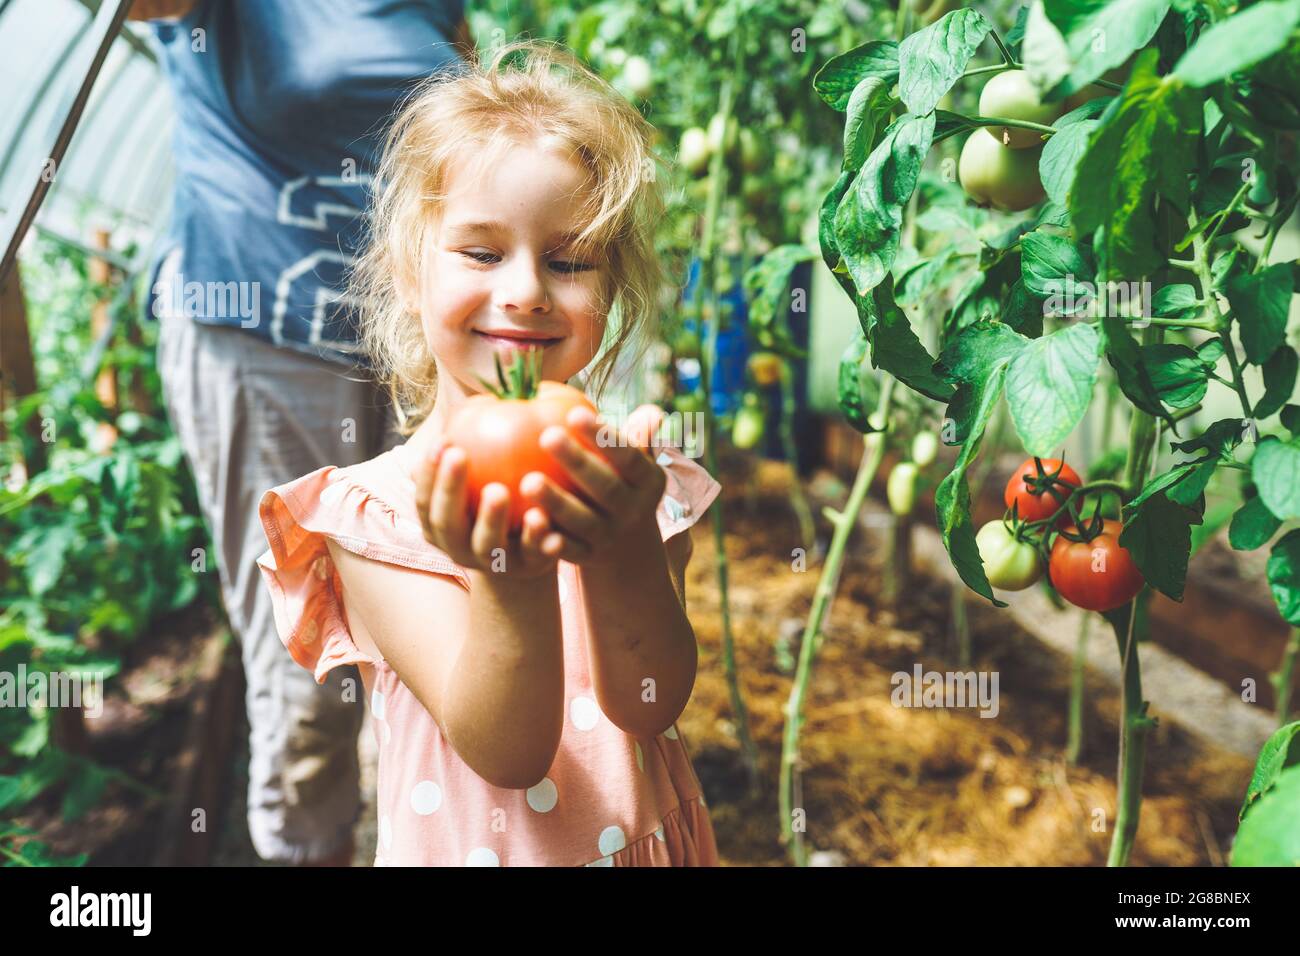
298 517
690 491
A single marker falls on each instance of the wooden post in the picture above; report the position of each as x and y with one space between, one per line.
17 367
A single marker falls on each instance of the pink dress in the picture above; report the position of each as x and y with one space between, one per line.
609 799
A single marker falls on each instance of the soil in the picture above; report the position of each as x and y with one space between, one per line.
887 785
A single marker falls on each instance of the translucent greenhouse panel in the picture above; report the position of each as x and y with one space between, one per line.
116 171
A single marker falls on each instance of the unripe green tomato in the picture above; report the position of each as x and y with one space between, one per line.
693 151
747 429
723 135
1012 96
924 447
993 175
637 76
753 157
900 489
1009 564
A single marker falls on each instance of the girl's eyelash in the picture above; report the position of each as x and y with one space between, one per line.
567 267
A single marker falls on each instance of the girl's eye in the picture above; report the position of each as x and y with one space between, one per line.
486 258
569 268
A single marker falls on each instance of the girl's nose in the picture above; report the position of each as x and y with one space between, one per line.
522 288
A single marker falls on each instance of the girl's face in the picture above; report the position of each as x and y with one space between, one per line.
499 271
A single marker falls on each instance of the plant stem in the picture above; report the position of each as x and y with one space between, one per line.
1074 746
1004 121
717 186
1200 248
1282 679
1175 323
1007 58
1223 216
1273 229
798 499
873 450
1134 723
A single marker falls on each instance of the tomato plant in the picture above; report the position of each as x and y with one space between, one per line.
500 432
1134 193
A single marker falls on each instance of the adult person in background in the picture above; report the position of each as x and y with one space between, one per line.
280 107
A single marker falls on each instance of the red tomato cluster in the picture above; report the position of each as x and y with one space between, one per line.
1096 575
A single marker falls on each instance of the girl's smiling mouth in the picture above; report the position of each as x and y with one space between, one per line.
511 339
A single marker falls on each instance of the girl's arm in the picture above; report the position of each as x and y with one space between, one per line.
641 643
487 666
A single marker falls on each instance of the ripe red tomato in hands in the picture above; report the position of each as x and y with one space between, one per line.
1096 575
1032 505
501 438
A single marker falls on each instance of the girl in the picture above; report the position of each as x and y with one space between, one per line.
524 688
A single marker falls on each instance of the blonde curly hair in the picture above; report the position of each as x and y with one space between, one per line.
530 90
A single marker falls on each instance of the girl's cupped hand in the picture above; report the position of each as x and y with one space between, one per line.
619 487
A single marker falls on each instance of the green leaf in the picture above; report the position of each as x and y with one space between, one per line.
1270 834
1252 526
1158 537
952 497
1132 376
46 559
1179 375
768 280
895 347
868 106
826 227
1145 148
1023 310
1260 302
1049 386
1175 302
1241 41
973 354
1070 43
1283 573
931 60
869 217
857 391
1275 469
1290 418
1279 382
1280 751
840 75
1218 440
1060 159
1053 266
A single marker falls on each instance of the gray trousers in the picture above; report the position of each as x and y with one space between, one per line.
251 416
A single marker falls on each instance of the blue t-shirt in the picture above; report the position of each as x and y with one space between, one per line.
281 108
